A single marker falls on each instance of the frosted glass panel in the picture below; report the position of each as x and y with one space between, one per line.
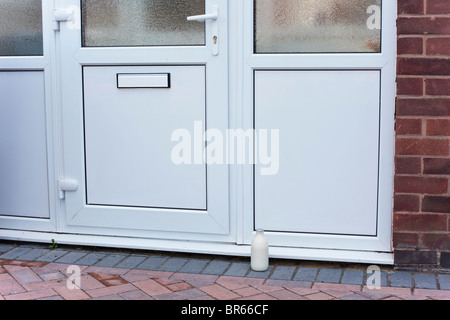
21 28
118 23
314 26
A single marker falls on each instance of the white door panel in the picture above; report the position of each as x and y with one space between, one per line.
328 177
122 98
128 130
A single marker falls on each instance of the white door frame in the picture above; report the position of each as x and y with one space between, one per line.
45 64
385 62
242 62
142 222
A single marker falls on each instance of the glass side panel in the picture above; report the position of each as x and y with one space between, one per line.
21 28
121 23
317 26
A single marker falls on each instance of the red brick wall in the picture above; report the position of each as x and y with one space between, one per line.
422 197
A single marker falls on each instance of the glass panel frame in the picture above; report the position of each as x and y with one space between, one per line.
117 16
331 10
21 28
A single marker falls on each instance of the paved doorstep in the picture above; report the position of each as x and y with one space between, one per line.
19 282
129 276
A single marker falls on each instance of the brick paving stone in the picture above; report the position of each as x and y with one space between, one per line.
433 294
88 282
425 281
355 296
401 279
194 266
318 296
32 295
259 297
173 264
107 291
191 294
131 262
306 274
8 285
303 291
33 254
247 291
233 283
256 274
71 294
136 275
444 281
286 295
218 292
195 280
152 263
110 260
52 255
151 287
135 295
238 269
375 295
216 267
15 253
329 275
72 257
353 277
51 298
111 297
283 273
388 290
181 286
25 276
90 259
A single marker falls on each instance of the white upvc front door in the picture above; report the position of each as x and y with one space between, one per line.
322 74
132 93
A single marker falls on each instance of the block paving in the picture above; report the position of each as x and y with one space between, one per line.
34 272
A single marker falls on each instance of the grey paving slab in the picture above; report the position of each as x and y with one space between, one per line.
401 279
216 267
306 274
371 279
238 269
256 274
90 259
72 257
52 255
152 263
329 275
195 266
131 262
5 247
353 277
15 253
173 264
425 281
444 281
33 254
283 273
110 260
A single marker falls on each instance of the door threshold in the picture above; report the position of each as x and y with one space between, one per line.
225 249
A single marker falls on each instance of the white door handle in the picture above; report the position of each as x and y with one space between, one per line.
209 16
214 17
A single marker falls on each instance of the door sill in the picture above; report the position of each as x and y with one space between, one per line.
226 249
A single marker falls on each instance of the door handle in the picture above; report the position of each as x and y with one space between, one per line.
209 16
214 18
